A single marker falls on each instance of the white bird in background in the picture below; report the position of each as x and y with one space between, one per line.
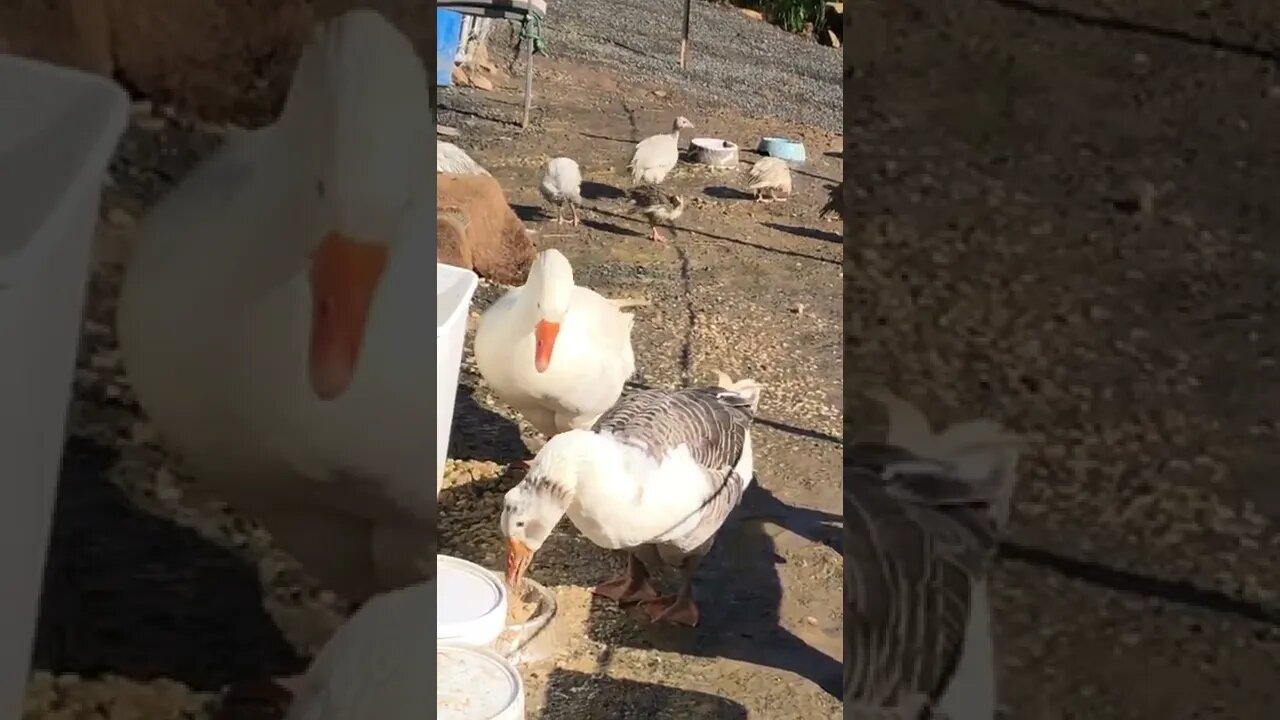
656 156
923 513
768 178
454 160
657 476
562 185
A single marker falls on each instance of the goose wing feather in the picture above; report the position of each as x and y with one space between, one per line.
712 423
918 537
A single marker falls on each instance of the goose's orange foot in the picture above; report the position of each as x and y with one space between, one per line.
672 609
626 589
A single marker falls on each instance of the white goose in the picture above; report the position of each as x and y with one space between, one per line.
658 476
923 512
271 317
557 353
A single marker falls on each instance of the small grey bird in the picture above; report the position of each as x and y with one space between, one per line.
562 185
656 206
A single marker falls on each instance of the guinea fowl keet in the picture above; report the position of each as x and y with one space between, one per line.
656 206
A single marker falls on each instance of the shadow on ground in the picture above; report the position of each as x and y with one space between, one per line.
612 228
806 232
600 697
129 593
724 192
530 213
739 593
601 191
676 230
1133 27
479 433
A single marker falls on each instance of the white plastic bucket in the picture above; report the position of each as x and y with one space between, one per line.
58 130
471 603
476 684
454 289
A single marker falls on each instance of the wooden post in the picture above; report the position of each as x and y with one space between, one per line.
684 37
528 83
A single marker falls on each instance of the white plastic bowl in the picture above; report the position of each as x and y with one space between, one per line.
471 603
716 152
58 130
538 638
475 684
454 289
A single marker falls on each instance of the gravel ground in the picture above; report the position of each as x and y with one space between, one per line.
746 64
1002 263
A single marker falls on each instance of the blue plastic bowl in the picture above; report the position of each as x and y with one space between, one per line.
448 43
790 150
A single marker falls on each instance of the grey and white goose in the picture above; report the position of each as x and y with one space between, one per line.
656 476
922 514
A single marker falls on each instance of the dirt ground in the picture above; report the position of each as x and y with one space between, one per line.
753 290
1001 264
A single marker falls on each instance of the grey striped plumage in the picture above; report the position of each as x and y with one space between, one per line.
713 422
918 538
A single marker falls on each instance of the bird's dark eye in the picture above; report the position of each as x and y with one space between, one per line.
520 524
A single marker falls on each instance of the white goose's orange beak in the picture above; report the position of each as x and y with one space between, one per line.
544 343
518 558
344 277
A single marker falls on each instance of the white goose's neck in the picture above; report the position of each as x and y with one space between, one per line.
548 291
343 156
614 489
